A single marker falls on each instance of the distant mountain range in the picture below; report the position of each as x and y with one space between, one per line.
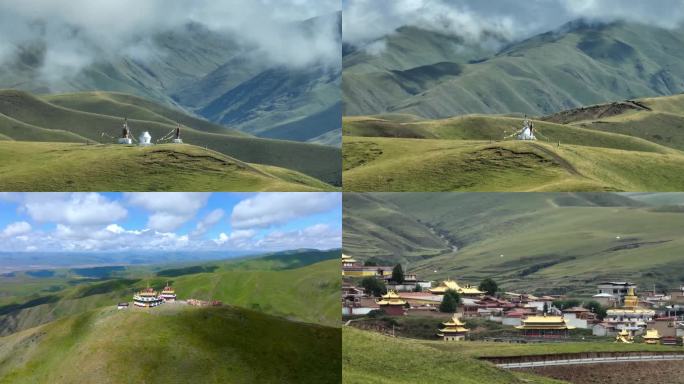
433 75
211 75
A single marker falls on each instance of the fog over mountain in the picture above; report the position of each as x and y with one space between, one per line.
368 20
79 34
268 68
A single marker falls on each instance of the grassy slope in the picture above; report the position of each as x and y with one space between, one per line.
580 64
34 166
263 284
375 359
663 124
172 344
134 107
390 164
376 228
565 241
319 161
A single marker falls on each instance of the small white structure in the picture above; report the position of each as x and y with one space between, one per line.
145 139
125 140
527 132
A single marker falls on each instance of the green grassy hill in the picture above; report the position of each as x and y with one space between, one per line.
376 228
24 117
394 164
277 284
578 64
660 120
526 241
409 360
623 146
39 166
172 343
375 359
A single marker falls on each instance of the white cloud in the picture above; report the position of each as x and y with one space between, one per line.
170 210
268 209
81 32
73 209
208 221
16 229
238 239
365 21
320 236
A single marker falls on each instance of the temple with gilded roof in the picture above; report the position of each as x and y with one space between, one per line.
544 327
392 304
453 330
464 291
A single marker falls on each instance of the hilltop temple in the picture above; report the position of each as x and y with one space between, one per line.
464 291
168 294
147 298
545 327
392 304
454 330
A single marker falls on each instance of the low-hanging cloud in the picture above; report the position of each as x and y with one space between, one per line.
78 33
365 21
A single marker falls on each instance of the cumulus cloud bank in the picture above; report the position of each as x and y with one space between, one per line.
76 33
93 222
367 20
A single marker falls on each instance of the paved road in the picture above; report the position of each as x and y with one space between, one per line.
597 360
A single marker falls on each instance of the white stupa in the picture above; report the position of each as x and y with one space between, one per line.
145 139
527 131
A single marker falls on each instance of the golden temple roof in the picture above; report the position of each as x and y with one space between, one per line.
454 325
652 334
454 322
452 285
348 259
391 298
544 322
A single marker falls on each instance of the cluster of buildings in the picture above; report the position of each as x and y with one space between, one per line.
149 297
535 317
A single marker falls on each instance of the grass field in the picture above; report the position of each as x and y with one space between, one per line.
403 165
37 166
172 343
597 148
410 361
375 359
97 117
541 242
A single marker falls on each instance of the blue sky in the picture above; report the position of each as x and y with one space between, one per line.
169 221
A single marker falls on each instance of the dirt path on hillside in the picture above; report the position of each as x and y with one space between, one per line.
561 161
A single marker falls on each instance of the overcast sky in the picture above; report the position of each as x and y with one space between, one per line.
71 28
367 20
31 222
